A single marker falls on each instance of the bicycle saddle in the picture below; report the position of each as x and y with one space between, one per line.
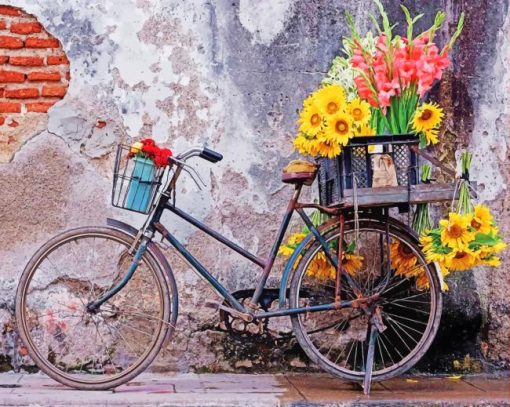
299 172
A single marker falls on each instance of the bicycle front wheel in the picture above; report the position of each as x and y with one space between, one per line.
408 301
93 350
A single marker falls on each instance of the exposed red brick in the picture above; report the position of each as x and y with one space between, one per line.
100 124
26 61
57 60
68 75
3 25
4 59
12 77
31 27
13 123
43 76
10 107
2 121
7 41
10 11
54 91
40 107
2 90
23 93
32 42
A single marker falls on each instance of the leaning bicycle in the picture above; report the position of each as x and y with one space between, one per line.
96 304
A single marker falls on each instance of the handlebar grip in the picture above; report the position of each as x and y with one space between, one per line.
210 155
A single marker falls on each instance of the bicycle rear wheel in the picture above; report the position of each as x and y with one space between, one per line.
93 350
410 303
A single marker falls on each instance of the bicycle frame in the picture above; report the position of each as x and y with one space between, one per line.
153 224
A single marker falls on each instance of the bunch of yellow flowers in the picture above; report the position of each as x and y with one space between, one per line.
426 122
320 267
464 241
327 122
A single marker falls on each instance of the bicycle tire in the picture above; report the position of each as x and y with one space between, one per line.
432 325
165 290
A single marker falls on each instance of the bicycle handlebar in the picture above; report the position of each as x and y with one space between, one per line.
210 155
202 152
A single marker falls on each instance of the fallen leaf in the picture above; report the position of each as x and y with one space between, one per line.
411 381
454 377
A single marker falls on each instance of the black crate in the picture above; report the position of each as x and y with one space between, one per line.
336 175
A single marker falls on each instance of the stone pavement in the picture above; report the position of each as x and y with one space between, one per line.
258 390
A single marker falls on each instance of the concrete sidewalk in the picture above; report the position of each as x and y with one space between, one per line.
257 390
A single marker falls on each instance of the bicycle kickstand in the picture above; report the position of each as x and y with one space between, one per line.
370 359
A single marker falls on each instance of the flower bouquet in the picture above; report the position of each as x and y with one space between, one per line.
378 89
148 158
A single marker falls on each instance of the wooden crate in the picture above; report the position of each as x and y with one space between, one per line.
389 196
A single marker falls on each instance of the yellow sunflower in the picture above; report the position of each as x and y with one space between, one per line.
364 131
296 238
327 149
422 281
431 136
352 263
403 260
310 120
339 129
331 99
320 268
482 219
455 232
428 116
463 259
285 251
493 261
359 111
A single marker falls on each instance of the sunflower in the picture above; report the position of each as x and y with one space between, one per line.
463 259
296 238
455 232
422 281
331 99
359 111
403 260
327 149
320 268
428 116
482 219
352 263
491 260
364 131
339 129
285 251
310 120
431 136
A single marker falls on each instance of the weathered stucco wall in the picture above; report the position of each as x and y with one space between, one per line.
233 73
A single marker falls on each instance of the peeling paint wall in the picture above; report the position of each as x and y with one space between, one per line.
232 74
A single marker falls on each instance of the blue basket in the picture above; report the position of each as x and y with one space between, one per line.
140 188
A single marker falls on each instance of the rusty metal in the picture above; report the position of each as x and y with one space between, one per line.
324 209
339 267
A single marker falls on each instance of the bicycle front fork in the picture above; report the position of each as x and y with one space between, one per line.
93 306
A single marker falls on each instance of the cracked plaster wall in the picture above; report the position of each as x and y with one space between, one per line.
232 74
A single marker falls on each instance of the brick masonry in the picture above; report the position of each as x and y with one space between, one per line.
34 70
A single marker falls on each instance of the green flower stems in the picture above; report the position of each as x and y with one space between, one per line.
464 205
421 219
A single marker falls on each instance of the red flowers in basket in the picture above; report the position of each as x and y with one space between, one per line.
147 148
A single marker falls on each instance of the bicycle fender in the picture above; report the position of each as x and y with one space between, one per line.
117 224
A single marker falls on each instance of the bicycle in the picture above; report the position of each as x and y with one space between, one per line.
96 304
